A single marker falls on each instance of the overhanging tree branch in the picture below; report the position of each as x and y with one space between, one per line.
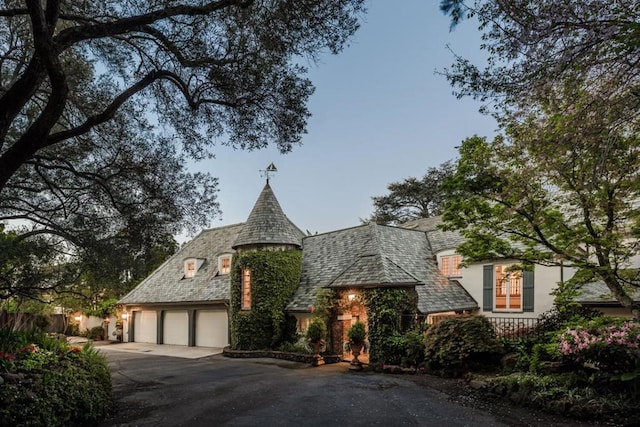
135 23
109 112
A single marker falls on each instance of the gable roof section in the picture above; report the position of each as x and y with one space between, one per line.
374 270
267 224
412 250
168 285
375 255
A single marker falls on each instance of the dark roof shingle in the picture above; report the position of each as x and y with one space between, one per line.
597 293
168 285
439 240
267 224
375 255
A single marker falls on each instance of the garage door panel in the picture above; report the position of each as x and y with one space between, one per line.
212 328
145 325
176 327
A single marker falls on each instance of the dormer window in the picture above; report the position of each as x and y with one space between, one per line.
224 264
191 266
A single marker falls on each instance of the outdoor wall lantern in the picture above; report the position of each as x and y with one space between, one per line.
125 316
78 318
351 297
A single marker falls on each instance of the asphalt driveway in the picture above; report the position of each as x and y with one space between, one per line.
153 390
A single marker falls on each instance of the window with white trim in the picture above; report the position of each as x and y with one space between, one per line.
508 288
189 268
224 264
450 265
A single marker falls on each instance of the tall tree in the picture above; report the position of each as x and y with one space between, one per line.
413 198
555 191
533 45
82 82
563 78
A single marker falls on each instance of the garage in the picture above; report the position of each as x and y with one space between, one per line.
176 327
145 326
212 328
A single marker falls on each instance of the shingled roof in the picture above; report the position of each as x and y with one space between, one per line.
439 240
374 255
598 294
267 224
168 285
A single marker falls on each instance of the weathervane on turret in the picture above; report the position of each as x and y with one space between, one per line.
271 169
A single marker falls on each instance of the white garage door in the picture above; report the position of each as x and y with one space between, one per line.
176 328
212 328
145 326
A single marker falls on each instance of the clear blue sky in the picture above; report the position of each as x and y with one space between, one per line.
379 114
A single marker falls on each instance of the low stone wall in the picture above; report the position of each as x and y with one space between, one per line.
293 357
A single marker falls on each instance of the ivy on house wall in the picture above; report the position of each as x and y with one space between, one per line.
390 311
274 278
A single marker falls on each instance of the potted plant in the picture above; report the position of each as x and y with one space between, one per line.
356 334
316 334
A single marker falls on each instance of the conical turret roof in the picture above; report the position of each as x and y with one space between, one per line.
267 224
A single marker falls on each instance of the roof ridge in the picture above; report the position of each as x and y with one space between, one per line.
219 228
335 231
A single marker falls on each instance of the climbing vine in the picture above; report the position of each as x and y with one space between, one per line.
274 278
390 312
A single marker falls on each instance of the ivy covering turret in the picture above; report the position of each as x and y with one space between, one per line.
265 273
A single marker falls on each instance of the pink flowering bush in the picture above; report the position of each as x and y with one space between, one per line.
612 348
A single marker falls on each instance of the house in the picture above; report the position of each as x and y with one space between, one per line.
185 301
505 293
218 288
373 256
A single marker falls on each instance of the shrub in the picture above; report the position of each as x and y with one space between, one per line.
577 394
406 350
96 333
299 345
47 382
357 333
612 348
558 318
317 330
459 344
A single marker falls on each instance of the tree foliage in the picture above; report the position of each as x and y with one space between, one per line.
561 187
83 161
413 198
29 267
535 45
540 198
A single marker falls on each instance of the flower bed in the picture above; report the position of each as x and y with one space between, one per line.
48 382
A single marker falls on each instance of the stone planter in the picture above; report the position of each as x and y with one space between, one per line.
317 358
356 349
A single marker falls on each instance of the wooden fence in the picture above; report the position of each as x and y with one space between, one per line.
26 321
